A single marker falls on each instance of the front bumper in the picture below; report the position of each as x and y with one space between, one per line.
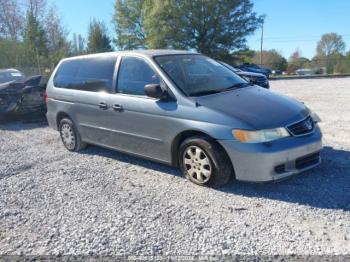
266 85
274 160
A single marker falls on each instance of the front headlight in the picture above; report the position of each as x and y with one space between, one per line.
259 136
315 117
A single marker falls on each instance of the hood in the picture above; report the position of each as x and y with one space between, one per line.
11 87
16 86
259 70
256 70
250 74
257 107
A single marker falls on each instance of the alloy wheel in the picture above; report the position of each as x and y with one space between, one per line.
197 164
67 135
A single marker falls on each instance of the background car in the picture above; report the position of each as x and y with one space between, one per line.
305 72
255 78
9 75
277 72
255 69
20 94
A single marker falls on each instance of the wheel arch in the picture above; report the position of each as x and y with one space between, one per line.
60 116
184 135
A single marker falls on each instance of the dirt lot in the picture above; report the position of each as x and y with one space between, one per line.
106 203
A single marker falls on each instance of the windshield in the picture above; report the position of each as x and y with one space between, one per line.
231 67
252 66
8 76
199 75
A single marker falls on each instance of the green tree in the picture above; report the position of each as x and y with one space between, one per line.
98 39
12 53
343 64
330 44
296 61
211 27
58 46
243 56
37 8
30 44
329 49
128 21
271 59
35 41
78 44
11 25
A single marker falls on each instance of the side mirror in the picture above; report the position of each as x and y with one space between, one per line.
155 91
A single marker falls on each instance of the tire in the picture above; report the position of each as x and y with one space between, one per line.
203 162
70 136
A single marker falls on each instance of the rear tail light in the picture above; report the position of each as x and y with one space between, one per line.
46 97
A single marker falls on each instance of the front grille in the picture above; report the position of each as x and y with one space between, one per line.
302 128
306 161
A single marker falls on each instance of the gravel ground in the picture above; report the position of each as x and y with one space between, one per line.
99 202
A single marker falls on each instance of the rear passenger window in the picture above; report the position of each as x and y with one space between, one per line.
87 74
134 74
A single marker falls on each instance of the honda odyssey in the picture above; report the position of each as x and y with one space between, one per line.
183 109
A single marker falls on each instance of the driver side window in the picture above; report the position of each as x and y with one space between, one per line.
134 74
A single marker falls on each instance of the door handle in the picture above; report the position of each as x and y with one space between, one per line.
117 107
103 105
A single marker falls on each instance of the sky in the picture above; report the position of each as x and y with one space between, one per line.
289 24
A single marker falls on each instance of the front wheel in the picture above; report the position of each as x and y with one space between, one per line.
203 162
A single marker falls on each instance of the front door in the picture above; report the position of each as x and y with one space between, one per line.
139 124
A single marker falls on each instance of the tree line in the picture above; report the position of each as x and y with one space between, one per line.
34 39
40 40
330 57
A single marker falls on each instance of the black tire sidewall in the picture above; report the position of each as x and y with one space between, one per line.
216 159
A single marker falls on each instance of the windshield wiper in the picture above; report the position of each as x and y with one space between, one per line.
206 92
235 86
215 91
238 85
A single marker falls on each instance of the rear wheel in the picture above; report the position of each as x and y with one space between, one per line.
203 162
70 136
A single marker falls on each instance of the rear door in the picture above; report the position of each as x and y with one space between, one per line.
86 84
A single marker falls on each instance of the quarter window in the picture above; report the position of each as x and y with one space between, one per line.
134 74
87 74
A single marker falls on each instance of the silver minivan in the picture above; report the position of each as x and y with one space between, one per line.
183 109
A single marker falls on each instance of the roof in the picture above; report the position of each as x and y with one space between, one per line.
9 70
149 53
156 52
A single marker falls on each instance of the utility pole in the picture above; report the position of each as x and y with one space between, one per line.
37 59
36 41
261 42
